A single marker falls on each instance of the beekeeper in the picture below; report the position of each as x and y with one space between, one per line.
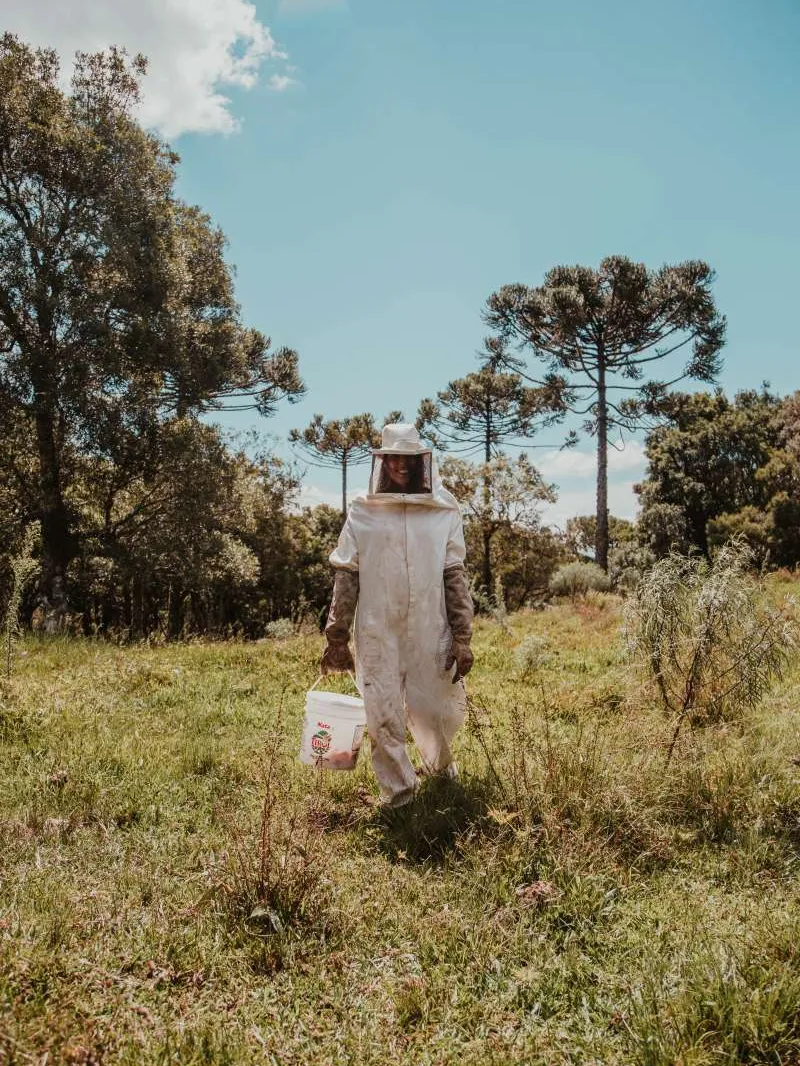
400 558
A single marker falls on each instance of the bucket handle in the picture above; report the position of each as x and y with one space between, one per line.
321 677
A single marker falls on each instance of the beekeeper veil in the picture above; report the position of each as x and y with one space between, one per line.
402 466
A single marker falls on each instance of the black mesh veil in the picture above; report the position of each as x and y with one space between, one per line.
421 478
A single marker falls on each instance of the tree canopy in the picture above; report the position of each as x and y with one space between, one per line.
120 333
117 309
498 497
717 467
340 442
597 334
486 410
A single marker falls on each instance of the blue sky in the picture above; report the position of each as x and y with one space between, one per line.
429 151
434 151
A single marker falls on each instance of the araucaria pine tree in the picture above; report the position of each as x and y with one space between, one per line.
480 413
597 336
339 443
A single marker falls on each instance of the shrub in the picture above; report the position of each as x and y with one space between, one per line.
23 567
576 579
494 605
532 654
706 636
627 565
280 629
275 869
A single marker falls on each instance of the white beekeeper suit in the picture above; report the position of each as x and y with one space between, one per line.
401 554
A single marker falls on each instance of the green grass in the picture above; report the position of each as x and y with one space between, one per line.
570 900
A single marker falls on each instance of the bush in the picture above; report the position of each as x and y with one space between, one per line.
493 606
627 565
280 629
706 636
576 579
532 654
274 870
23 567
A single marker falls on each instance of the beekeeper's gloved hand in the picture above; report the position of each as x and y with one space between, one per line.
336 659
458 603
337 656
461 657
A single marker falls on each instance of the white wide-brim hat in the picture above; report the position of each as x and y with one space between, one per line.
400 438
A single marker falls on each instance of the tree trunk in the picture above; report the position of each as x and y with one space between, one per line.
487 504
487 562
137 606
175 614
56 540
344 488
601 531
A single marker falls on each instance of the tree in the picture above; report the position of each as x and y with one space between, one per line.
116 304
718 467
511 504
597 334
523 560
313 536
340 443
485 410
580 536
789 422
480 413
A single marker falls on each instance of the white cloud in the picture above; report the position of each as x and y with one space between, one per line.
622 503
572 470
280 82
574 462
314 495
197 49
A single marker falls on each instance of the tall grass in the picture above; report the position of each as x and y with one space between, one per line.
23 567
273 875
707 635
175 887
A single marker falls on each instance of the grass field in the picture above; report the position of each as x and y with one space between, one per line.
571 900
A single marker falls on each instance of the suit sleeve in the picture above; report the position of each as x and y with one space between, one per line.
345 554
456 549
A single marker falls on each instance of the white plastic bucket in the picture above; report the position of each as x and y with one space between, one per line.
332 730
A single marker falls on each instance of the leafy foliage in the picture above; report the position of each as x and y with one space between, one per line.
576 579
717 468
531 654
480 413
501 501
339 443
708 640
485 410
598 334
117 310
23 567
627 565
580 535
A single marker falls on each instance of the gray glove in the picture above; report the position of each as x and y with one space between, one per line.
458 604
337 656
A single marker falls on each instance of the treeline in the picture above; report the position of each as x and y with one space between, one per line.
120 336
206 542
211 540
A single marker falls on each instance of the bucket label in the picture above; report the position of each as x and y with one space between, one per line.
321 742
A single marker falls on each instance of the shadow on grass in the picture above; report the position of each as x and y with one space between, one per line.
430 828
